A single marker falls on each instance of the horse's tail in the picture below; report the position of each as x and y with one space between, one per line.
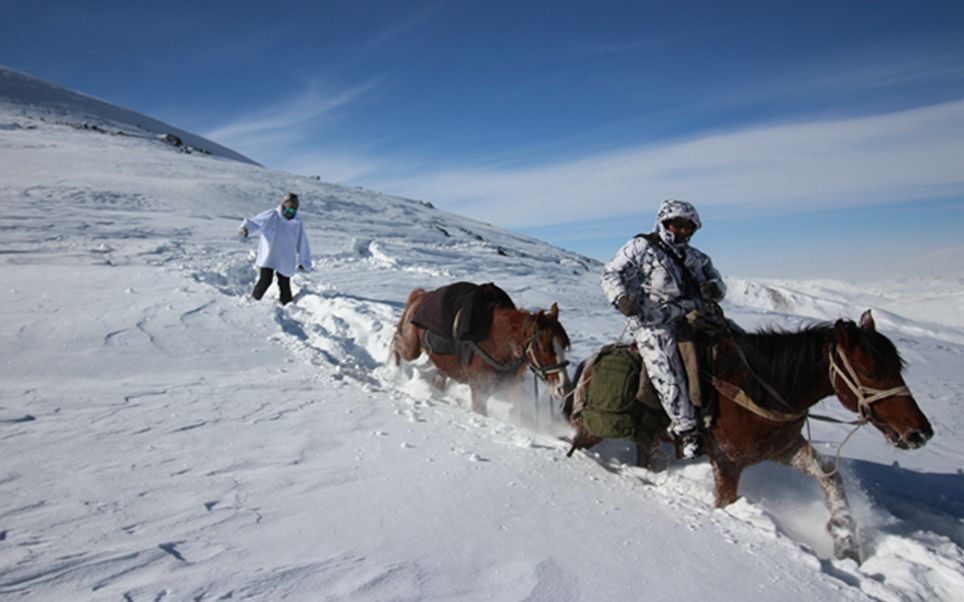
410 304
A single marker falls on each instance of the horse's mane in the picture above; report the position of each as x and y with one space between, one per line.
542 320
556 327
882 349
787 360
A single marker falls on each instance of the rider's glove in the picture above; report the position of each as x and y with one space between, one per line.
627 304
705 322
711 291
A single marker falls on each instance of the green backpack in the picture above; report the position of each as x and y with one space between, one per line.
612 410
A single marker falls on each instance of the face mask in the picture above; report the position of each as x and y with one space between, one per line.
288 212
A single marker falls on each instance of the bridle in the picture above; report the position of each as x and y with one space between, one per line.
529 356
532 359
864 395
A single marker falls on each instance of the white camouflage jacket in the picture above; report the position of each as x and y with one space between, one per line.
646 271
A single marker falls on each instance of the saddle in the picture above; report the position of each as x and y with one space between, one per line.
457 316
442 345
619 402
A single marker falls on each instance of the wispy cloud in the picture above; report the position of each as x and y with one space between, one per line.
897 156
854 82
290 120
386 36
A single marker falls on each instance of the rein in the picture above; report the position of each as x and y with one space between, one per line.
743 400
740 396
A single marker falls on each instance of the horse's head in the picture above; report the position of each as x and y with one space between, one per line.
546 351
865 371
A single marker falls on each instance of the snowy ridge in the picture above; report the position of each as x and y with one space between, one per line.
932 308
165 438
32 99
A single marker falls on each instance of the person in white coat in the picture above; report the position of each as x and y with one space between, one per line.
283 246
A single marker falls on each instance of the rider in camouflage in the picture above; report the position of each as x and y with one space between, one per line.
645 283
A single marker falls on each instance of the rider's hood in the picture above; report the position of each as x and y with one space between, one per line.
673 208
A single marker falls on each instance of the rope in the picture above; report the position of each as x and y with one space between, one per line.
766 386
623 333
836 464
864 395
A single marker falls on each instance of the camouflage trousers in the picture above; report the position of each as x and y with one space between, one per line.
658 349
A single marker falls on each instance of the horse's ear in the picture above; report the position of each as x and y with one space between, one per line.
554 311
842 328
867 321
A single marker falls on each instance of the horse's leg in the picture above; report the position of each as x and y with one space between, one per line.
726 475
523 403
406 344
842 528
646 452
479 404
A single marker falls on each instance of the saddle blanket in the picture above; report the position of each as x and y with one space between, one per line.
473 303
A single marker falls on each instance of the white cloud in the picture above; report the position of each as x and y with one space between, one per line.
897 156
262 131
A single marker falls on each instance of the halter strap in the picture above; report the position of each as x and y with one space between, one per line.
865 395
528 356
741 398
535 365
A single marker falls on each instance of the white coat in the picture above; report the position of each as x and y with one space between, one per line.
283 245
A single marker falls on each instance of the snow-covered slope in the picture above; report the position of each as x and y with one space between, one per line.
23 95
930 307
165 438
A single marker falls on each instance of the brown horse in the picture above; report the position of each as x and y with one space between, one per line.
517 339
768 381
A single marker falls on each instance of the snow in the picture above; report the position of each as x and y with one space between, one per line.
23 95
166 438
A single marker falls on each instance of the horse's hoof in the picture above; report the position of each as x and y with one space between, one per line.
846 549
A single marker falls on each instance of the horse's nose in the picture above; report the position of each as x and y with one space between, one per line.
915 439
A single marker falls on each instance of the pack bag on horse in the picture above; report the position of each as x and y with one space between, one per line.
475 335
655 280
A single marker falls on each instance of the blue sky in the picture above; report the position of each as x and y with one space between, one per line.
818 139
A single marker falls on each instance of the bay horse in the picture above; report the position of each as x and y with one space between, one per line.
768 380
517 340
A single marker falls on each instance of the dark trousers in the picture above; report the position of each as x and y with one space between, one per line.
264 281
